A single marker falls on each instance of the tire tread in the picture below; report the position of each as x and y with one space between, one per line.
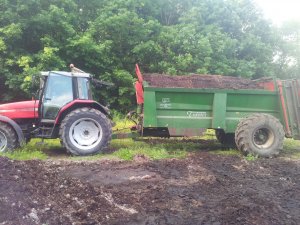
11 136
242 135
63 135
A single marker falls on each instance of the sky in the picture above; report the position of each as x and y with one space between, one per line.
280 10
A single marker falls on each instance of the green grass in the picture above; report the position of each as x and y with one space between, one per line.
122 124
127 149
227 152
152 153
209 134
251 157
26 153
152 148
33 150
291 149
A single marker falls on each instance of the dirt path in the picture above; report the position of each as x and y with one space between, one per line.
202 189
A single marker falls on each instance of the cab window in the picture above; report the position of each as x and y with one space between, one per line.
83 88
58 93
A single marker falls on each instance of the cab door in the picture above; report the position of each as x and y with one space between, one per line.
58 92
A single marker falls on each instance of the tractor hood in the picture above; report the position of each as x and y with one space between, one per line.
20 110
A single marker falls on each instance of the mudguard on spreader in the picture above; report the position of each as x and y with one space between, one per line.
139 86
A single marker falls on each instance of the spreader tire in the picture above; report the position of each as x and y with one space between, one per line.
226 139
85 131
8 138
260 134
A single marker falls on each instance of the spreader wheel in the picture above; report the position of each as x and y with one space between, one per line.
260 134
85 131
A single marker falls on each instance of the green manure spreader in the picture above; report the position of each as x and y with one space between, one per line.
255 116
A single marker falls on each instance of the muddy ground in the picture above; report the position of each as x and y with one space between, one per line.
200 81
204 188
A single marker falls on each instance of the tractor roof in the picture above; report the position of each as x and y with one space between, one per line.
63 73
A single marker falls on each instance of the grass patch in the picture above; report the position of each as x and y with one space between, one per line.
153 148
152 153
128 148
25 154
35 149
127 143
291 148
209 134
124 149
251 157
122 124
227 152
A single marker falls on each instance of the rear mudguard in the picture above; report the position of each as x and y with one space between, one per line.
78 103
16 127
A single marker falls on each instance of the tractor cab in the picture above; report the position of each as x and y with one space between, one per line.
60 88
61 94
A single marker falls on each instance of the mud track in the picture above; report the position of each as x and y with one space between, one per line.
201 189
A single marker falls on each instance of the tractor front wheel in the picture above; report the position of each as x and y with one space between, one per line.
85 131
8 138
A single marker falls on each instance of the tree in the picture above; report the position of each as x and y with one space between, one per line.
106 38
287 60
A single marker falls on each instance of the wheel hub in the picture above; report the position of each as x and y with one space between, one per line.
85 133
263 138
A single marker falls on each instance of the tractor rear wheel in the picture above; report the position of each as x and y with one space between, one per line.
85 131
226 139
8 138
260 134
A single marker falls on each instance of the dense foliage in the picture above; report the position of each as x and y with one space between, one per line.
107 38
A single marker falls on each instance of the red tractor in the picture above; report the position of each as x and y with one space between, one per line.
65 110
